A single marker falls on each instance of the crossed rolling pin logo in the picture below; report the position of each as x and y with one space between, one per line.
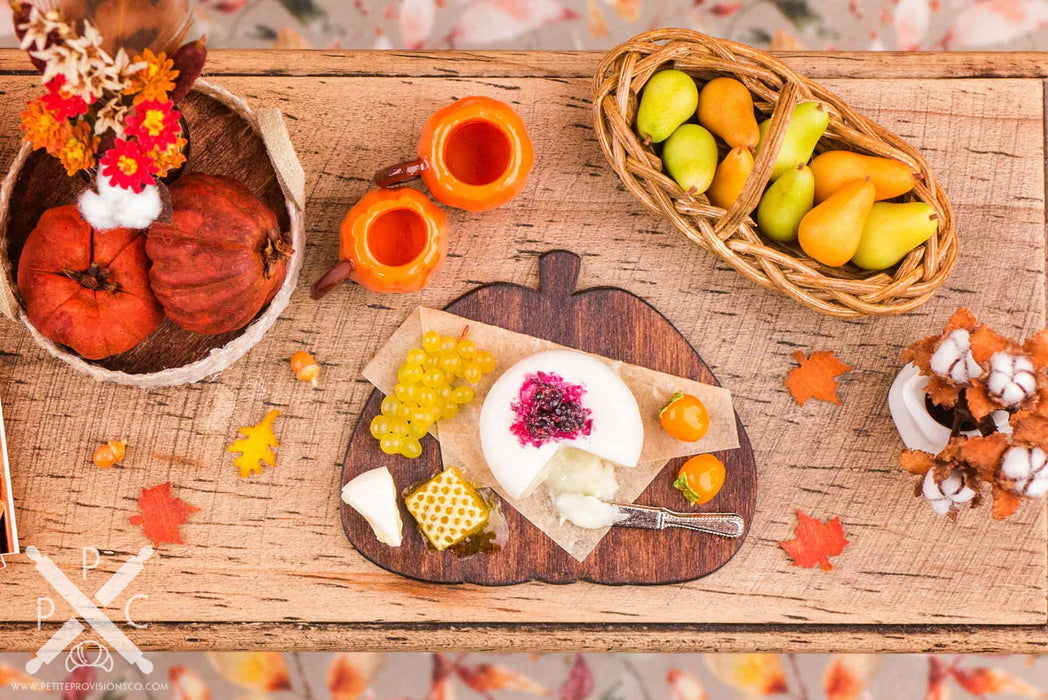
91 613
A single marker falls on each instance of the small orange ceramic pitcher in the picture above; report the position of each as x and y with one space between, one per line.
474 154
392 240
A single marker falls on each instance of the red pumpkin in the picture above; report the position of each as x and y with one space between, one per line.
222 257
87 289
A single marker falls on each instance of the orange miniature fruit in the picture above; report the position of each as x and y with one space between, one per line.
685 418
305 367
700 478
110 453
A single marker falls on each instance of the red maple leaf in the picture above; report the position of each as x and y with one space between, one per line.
816 542
161 514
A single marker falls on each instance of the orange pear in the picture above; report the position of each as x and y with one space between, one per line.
730 178
726 109
835 169
830 233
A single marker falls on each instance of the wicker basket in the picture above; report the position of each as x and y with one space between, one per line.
268 124
845 292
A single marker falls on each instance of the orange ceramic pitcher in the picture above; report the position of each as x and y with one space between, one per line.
474 154
392 240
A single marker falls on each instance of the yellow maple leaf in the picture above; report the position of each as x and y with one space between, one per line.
255 446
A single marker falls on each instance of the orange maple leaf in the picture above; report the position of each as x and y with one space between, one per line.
814 379
816 542
161 514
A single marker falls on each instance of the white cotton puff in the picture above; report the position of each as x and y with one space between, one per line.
115 207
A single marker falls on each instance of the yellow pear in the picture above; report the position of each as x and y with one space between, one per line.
830 233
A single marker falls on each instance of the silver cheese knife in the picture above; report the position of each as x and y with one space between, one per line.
653 518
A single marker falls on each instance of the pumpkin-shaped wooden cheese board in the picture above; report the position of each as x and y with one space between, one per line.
605 321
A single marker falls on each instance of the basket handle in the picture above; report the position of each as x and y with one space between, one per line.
767 154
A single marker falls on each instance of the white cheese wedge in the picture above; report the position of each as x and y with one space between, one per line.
373 495
616 431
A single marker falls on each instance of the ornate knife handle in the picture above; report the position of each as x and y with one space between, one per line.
723 524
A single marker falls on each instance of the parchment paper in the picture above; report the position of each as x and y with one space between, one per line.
460 437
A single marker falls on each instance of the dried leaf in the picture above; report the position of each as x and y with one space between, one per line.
186 684
1036 348
979 402
259 671
1030 428
579 683
986 341
983 454
1005 502
684 685
487 677
255 446
984 681
161 514
847 675
814 379
350 674
916 462
816 542
757 674
938 674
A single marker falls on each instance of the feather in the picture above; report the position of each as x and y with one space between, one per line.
133 25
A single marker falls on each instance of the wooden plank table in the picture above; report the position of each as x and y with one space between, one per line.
265 562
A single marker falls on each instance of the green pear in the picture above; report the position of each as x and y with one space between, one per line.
807 126
785 203
690 157
892 230
669 99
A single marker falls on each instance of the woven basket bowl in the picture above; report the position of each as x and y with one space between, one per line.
845 292
227 138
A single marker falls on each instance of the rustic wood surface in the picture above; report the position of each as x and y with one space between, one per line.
221 143
265 556
557 311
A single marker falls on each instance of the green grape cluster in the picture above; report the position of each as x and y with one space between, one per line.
425 393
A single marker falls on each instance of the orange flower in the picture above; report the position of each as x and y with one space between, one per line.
41 125
169 158
154 81
76 147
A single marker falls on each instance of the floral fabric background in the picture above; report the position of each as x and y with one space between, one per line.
574 24
600 24
565 676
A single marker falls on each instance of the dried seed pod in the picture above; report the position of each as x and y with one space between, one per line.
953 358
1023 470
1011 379
110 453
305 367
946 494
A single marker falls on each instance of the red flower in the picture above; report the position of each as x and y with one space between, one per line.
154 124
61 103
127 165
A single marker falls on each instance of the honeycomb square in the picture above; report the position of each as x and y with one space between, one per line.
447 509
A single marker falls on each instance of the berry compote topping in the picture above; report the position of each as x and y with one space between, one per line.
549 409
